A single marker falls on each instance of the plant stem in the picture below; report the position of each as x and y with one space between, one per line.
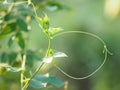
21 80
36 71
49 43
22 72
42 63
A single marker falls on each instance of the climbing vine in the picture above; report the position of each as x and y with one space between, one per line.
15 29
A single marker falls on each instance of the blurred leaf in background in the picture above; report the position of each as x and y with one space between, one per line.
112 8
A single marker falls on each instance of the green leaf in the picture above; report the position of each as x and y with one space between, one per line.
22 24
59 54
46 22
51 80
20 40
36 84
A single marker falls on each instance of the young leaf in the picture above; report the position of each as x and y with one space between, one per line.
46 22
59 54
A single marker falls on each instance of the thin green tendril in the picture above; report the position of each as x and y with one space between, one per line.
106 51
34 9
86 33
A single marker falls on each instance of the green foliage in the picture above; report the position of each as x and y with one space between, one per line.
22 24
36 84
44 24
14 23
31 56
15 20
40 81
8 57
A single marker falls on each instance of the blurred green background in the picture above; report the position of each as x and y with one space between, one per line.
84 52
